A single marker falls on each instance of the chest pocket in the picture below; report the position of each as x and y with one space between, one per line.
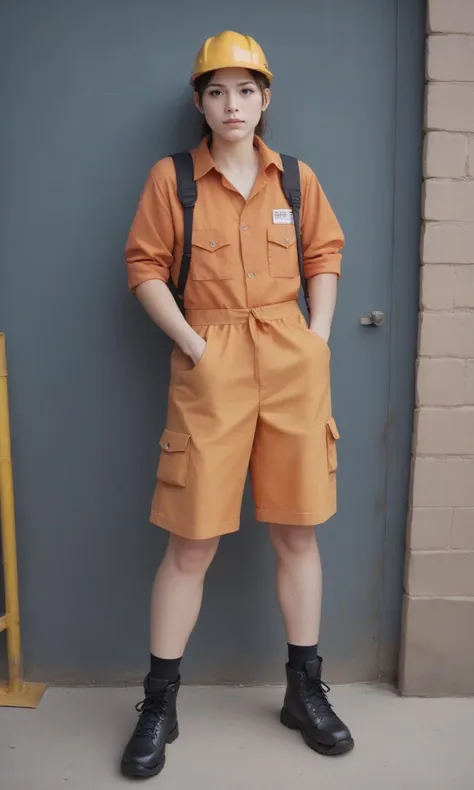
211 257
282 251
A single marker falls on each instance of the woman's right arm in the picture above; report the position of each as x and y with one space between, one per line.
159 303
149 255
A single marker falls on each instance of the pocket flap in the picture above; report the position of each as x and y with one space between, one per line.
284 236
210 240
172 442
333 428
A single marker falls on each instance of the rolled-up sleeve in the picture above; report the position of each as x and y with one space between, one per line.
322 236
150 243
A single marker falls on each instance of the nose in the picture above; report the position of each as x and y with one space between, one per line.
231 104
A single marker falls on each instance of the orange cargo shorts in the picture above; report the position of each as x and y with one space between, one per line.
259 398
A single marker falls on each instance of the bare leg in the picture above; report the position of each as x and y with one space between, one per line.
175 604
177 593
299 581
299 589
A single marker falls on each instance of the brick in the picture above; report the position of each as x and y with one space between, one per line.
443 482
437 647
463 286
429 528
445 155
450 106
469 386
440 382
450 58
437 287
445 432
448 242
447 287
451 16
449 200
447 335
441 573
462 530
470 156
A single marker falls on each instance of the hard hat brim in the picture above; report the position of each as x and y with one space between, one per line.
234 65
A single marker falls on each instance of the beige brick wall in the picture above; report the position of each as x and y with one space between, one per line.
438 618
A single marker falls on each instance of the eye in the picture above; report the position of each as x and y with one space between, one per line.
247 91
215 92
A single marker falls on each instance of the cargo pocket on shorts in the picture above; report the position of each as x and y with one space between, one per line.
211 257
174 458
282 251
332 435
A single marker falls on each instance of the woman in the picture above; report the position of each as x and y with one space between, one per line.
249 386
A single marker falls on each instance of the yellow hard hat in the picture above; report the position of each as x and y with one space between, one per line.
227 50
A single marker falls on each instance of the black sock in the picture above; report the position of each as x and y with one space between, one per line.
298 655
164 668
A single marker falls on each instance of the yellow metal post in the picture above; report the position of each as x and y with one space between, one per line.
16 693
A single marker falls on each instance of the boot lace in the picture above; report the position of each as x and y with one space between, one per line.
317 693
151 710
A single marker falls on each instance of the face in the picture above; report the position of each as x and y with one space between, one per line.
233 103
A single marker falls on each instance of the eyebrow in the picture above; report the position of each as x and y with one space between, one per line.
239 84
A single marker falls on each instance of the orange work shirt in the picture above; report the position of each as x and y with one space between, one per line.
242 256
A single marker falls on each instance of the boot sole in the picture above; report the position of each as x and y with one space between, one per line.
288 720
137 771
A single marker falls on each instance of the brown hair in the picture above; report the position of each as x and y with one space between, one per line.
203 81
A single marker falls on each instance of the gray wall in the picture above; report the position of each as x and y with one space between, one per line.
95 93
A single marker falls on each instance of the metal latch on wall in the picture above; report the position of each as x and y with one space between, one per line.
375 318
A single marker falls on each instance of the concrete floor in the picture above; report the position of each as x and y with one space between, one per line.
231 739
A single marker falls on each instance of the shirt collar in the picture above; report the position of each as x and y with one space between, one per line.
203 161
267 156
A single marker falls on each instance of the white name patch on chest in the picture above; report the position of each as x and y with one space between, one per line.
283 216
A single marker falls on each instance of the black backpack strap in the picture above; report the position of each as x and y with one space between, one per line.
187 194
291 185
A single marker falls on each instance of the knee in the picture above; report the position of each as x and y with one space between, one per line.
292 541
191 557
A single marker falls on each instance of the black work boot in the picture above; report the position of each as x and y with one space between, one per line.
306 708
144 754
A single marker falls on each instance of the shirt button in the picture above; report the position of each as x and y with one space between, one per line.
167 446
287 241
251 274
212 244
245 227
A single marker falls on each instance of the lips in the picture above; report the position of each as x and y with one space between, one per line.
233 122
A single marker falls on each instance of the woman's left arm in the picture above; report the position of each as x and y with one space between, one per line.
323 294
323 241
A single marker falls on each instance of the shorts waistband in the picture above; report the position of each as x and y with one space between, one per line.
270 312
